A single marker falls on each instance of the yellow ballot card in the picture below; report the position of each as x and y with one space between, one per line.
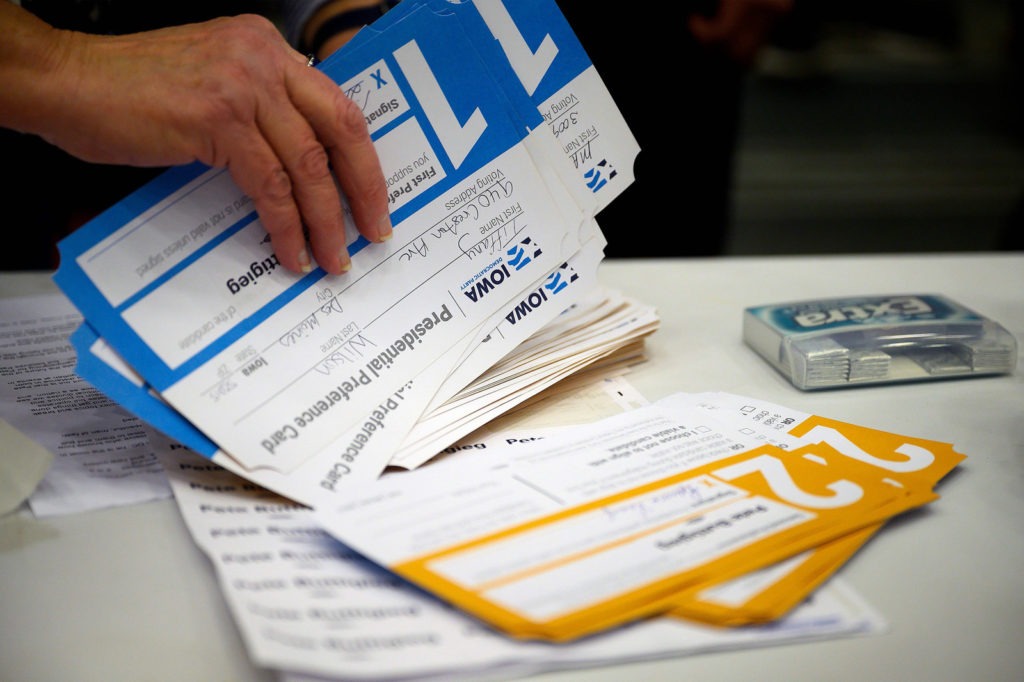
914 462
770 593
608 522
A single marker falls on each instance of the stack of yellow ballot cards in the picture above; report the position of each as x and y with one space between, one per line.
686 507
915 463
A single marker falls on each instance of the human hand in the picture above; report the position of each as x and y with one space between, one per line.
739 28
230 93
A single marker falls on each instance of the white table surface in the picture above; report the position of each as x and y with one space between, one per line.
124 594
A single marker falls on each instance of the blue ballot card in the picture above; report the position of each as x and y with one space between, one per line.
271 367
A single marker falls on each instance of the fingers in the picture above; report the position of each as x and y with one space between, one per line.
311 126
358 170
282 157
260 174
342 130
312 190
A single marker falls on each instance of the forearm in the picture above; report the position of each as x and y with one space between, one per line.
230 93
34 60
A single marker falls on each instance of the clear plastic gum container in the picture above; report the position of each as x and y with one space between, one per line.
860 340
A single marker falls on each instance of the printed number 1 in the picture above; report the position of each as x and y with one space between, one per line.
457 139
529 66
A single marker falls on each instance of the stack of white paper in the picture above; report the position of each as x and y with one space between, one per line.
310 606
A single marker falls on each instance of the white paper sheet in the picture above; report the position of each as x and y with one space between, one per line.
102 456
22 467
313 609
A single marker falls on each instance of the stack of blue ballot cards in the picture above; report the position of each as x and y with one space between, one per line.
861 340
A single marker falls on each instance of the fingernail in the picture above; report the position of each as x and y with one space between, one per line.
384 230
346 262
304 262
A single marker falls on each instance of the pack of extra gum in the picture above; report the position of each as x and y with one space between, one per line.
860 340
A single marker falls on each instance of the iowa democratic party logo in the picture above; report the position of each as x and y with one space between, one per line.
519 256
598 176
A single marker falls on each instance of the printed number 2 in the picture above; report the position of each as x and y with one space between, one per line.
782 484
917 457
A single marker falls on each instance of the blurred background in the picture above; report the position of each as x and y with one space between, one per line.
883 126
863 126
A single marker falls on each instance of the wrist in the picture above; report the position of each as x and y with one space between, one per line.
35 59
